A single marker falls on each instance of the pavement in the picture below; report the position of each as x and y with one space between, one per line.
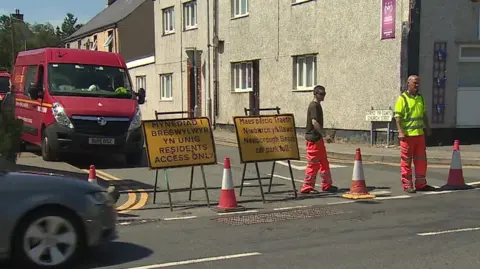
376 153
426 232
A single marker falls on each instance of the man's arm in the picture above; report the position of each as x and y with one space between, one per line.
317 127
399 113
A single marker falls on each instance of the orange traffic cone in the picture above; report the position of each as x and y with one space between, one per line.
228 201
92 175
455 176
358 189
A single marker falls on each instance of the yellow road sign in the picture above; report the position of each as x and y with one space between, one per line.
267 138
179 142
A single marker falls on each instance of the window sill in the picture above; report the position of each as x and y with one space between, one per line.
301 2
166 100
168 33
190 28
303 90
240 16
242 91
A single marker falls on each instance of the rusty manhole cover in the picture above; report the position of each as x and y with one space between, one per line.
304 213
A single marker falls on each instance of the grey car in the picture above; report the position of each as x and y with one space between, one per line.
48 220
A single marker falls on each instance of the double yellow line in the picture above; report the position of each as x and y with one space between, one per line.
131 203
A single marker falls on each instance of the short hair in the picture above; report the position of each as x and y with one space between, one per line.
318 88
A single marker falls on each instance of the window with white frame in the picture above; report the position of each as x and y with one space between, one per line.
305 72
95 43
140 82
166 87
469 66
242 76
190 15
168 20
239 8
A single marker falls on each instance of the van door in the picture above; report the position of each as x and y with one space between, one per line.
26 107
38 110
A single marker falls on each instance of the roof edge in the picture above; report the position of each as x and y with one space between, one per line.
89 33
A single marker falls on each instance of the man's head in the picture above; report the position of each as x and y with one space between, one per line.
413 84
319 93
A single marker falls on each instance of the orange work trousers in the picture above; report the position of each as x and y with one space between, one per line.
316 161
413 147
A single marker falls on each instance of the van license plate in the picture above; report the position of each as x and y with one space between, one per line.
101 141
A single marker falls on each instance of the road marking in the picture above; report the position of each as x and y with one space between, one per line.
210 259
239 212
393 197
473 183
450 231
132 197
340 203
287 178
291 207
380 192
181 218
141 202
437 192
303 167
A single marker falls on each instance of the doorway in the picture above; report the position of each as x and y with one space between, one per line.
254 100
194 82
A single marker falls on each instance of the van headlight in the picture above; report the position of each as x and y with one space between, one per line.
61 115
137 119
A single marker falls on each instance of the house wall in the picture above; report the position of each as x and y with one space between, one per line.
457 23
171 55
151 87
357 68
101 38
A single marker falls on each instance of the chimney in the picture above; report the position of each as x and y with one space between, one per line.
109 2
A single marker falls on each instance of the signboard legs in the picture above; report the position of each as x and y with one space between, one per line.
192 172
272 171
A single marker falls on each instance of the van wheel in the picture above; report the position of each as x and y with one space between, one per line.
47 239
47 153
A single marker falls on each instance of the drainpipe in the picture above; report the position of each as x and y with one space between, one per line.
181 64
215 56
414 38
209 90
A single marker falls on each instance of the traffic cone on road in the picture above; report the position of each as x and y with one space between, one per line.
455 176
228 201
92 175
358 189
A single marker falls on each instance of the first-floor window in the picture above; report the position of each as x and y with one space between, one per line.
166 87
141 82
242 76
305 72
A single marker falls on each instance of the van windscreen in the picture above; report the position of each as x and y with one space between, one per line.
4 84
89 81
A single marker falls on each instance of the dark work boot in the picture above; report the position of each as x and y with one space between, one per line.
427 188
331 189
409 190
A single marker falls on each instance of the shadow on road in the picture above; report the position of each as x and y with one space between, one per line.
115 253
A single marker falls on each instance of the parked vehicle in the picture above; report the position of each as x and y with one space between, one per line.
49 220
78 101
4 83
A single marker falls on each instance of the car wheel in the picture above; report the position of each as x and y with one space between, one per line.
47 153
134 158
48 240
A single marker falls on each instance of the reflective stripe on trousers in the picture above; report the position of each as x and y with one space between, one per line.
413 148
316 162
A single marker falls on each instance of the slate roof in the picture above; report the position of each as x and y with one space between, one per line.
112 14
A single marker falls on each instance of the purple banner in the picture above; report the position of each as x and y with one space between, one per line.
388 19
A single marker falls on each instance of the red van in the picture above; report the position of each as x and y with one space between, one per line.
78 101
4 83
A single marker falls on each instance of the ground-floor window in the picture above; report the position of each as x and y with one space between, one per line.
242 76
140 82
166 87
304 72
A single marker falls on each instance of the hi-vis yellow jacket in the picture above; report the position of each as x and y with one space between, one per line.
411 110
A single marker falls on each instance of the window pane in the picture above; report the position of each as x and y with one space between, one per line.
244 75
244 6
471 52
237 7
314 70
237 76
309 72
468 74
171 20
194 14
300 71
249 75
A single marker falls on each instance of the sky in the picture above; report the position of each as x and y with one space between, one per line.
53 11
